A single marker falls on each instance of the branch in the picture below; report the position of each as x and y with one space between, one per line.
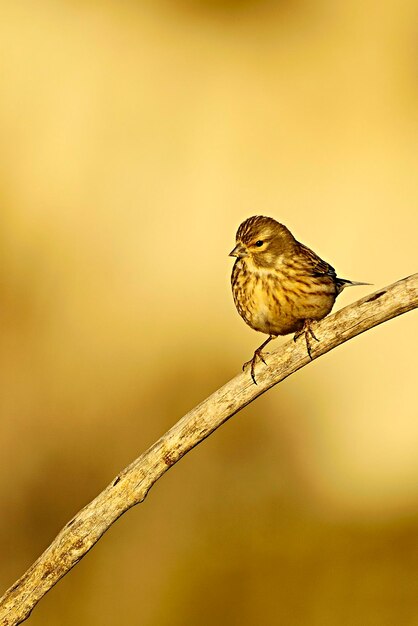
133 483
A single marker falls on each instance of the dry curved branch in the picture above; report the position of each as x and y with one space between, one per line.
133 483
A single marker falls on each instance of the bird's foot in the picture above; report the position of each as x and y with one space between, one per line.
308 332
258 354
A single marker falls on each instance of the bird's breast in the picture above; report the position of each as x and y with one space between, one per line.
275 300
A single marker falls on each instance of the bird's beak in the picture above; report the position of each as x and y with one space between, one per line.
239 251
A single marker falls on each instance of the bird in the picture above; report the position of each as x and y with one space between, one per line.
279 285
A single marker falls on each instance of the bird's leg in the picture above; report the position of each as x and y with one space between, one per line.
308 332
257 354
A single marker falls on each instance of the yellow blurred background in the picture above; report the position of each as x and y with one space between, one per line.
136 136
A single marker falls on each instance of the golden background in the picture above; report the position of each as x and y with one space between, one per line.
136 136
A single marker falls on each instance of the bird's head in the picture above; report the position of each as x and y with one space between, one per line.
263 240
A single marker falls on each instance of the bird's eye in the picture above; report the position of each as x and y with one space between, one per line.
259 243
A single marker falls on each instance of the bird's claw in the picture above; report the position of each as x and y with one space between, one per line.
252 362
257 354
308 332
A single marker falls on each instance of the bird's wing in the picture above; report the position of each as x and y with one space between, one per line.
315 265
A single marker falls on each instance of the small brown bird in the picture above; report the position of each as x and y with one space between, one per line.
279 285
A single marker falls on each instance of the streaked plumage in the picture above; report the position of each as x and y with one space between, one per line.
279 285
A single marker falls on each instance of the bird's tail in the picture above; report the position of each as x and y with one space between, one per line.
343 282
